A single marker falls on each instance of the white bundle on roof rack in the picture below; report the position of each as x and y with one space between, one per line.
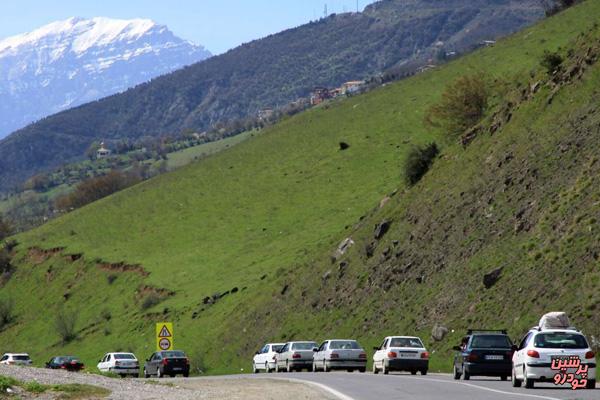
555 320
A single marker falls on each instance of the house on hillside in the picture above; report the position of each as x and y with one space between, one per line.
102 152
351 87
319 95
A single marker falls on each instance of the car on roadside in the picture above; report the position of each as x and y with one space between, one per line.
171 363
484 353
295 356
124 364
535 353
265 358
401 353
339 354
69 363
16 359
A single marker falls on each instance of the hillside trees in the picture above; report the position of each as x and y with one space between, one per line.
462 105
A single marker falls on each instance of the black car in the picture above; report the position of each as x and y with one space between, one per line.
164 363
69 363
484 353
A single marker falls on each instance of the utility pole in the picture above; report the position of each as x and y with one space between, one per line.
325 11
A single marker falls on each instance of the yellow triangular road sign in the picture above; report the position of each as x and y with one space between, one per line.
164 332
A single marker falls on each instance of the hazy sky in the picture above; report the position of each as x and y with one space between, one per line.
217 24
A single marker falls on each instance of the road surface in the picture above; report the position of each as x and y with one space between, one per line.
355 386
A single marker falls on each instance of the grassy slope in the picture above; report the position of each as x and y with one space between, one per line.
273 205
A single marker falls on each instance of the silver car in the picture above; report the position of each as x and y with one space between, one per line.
340 354
295 356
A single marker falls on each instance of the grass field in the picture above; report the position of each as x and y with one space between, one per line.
262 217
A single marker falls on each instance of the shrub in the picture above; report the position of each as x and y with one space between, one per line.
111 278
5 229
7 315
106 315
418 161
150 301
65 325
462 105
551 61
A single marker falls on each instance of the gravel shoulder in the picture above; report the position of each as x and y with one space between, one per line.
173 389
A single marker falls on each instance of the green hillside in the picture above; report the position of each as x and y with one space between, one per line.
258 222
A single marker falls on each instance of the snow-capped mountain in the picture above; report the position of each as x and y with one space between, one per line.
68 63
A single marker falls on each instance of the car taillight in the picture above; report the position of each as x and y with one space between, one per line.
472 357
533 354
392 354
590 354
334 355
362 356
165 361
425 355
187 361
117 362
296 355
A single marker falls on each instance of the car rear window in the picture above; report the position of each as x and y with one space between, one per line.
124 356
344 345
491 342
277 347
173 354
406 342
21 358
560 340
304 346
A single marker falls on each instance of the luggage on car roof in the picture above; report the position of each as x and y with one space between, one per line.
555 320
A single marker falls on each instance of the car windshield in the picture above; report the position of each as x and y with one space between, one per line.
407 342
344 345
304 346
21 358
560 340
491 342
277 347
173 354
124 356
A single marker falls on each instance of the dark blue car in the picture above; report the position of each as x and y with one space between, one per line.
484 353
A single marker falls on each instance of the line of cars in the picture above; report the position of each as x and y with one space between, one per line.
396 353
159 364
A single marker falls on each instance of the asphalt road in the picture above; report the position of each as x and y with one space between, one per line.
356 386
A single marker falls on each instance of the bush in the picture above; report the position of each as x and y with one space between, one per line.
150 301
65 325
5 229
462 106
551 62
106 315
418 161
7 315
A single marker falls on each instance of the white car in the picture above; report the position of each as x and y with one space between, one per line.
340 354
265 358
533 357
120 363
15 359
401 353
295 356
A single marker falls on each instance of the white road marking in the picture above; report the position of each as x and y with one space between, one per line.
484 388
339 395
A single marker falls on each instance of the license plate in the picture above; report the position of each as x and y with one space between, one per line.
407 355
493 357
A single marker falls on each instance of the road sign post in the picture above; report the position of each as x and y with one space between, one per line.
164 336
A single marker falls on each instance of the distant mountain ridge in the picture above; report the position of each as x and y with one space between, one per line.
266 73
75 61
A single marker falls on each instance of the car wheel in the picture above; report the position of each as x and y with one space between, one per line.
350 370
455 373
186 375
513 379
591 384
325 369
466 374
362 370
423 372
413 372
146 375
375 370
159 373
529 383
385 370
254 369
287 367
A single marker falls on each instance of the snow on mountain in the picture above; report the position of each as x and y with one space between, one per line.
71 62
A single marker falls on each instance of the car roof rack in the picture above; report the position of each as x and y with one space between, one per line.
471 330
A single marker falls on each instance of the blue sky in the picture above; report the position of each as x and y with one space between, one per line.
217 24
